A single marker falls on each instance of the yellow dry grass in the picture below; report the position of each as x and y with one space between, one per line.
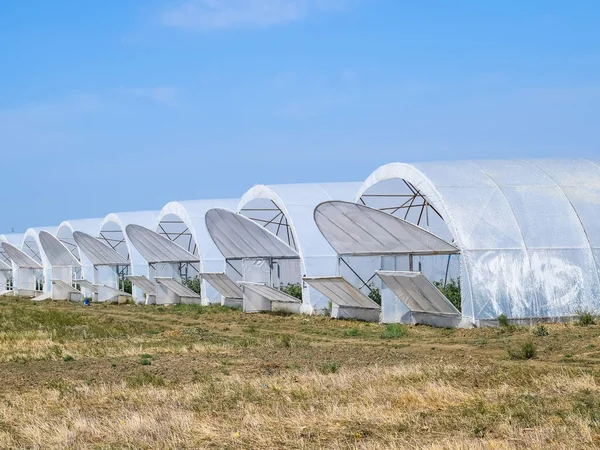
134 377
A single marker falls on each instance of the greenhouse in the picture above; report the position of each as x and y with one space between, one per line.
413 243
184 224
527 231
65 231
7 275
29 272
264 260
109 268
34 280
64 268
112 233
287 211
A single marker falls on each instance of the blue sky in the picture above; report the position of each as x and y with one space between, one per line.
124 105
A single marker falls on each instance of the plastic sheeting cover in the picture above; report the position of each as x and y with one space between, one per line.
268 292
98 252
417 292
222 283
341 292
57 253
147 286
21 259
354 229
156 248
4 267
176 287
238 237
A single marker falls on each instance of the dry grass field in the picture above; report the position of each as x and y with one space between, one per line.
125 376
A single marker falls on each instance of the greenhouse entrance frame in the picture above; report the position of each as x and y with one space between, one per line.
355 230
110 267
167 259
261 253
64 268
29 271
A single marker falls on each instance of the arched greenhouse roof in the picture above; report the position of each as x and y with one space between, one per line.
297 203
39 254
192 213
528 231
146 219
65 234
68 227
34 234
89 226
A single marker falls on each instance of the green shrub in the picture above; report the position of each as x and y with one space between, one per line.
394 331
194 284
68 358
452 291
352 332
540 330
375 294
503 320
125 285
585 318
529 350
295 290
526 350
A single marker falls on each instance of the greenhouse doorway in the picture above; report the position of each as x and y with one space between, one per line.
169 264
365 239
256 259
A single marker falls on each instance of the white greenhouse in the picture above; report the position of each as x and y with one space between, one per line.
520 238
528 231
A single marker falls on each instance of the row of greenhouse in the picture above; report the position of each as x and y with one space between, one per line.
446 244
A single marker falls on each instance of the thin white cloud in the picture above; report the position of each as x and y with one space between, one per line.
161 94
225 14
